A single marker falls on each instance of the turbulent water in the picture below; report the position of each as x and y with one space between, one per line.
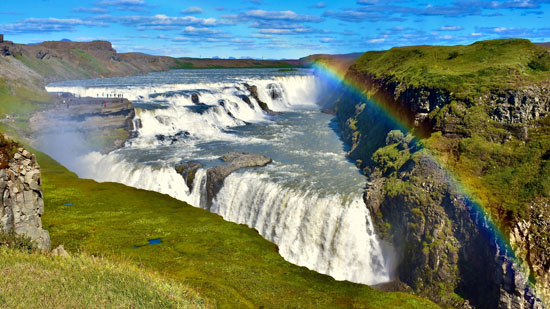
308 201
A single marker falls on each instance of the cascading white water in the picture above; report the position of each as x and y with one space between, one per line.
315 225
329 234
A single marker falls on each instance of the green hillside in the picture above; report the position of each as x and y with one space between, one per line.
38 280
463 70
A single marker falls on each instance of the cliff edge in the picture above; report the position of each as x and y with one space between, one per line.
475 150
22 200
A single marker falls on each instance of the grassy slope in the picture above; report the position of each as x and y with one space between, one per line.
39 280
230 264
503 172
464 70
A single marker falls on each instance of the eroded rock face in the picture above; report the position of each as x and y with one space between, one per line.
521 105
215 176
440 234
188 170
531 237
444 239
234 161
105 126
413 104
22 200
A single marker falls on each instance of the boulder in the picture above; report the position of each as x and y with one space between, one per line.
274 91
195 98
246 100
60 251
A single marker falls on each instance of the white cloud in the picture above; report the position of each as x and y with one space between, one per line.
192 10
44 25
161 21
379 40
450 28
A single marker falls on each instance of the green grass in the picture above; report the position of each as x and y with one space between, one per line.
19 99
38 280
230 264
39 66
504 176
463 70
89 62
182 65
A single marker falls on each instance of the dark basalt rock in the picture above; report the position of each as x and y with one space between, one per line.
172 138
246 100
444 243
195 98
273 91
188 170
520 105
254 93
440 235
234 161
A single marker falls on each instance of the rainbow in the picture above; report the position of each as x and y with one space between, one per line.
478 213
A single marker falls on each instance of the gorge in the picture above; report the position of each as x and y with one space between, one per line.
446 195
308 201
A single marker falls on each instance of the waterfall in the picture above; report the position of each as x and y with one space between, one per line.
330 233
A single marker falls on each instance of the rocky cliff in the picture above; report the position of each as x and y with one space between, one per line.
485 137
104 127
22 200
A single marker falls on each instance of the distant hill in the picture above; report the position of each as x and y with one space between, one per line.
212 63
25 69
340 62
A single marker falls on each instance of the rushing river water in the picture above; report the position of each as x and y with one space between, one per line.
308 201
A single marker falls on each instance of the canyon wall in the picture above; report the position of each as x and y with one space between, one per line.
448 252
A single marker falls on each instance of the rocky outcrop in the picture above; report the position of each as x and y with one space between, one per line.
188 170
412 104
254 93
531 235
22 200
446 249
520 105
195 98
445 241
274 91
106 128
234 161
215 176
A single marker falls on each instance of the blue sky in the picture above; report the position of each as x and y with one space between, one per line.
272 29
